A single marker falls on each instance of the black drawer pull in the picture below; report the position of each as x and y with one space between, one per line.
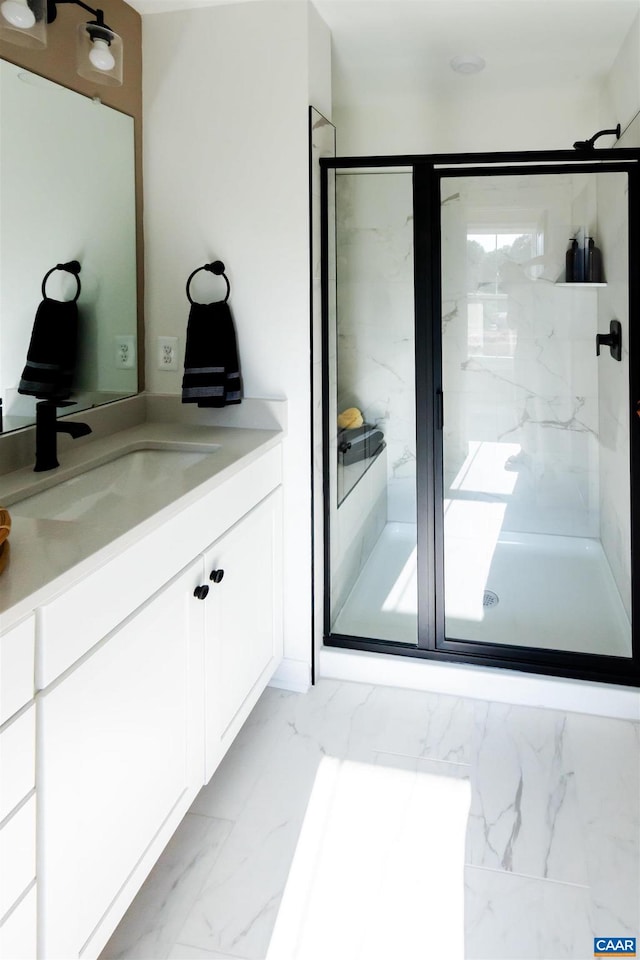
216 575
201 592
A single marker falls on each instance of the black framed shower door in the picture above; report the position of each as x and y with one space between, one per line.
526 456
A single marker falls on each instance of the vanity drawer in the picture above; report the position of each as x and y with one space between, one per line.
75 621
17 854
17 647
18 933
17 760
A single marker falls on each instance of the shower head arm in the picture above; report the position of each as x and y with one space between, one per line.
590 144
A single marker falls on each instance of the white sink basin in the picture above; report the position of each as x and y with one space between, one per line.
122 491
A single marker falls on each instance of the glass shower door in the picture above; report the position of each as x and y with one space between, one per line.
536 473
370 407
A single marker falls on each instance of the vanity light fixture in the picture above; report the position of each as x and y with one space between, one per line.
98 47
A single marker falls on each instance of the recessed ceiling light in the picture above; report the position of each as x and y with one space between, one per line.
467 64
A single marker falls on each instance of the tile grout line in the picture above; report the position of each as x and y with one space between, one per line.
527 876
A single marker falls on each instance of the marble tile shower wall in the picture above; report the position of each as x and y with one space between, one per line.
376 319
539 399
615 518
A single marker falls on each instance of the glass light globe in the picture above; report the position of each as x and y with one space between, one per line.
100 55
18 14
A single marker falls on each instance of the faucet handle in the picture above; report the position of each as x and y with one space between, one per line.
613 340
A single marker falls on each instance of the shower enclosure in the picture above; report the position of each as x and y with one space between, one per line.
483 507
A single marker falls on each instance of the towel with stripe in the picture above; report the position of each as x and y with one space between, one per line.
211 365
51 357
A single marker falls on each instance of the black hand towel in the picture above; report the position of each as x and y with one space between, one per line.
51 357
211 366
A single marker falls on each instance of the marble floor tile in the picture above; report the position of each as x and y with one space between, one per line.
607 770
182 951
373 877
510 917
236 909
405 722
248 757
151 925
438 768
524 812
552 845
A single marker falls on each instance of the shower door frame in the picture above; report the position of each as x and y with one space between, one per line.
427 173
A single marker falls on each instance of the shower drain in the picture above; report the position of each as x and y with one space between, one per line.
490 599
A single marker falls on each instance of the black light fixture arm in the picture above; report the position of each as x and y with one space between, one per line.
52 12
590 144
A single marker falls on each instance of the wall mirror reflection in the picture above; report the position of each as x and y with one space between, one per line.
67 193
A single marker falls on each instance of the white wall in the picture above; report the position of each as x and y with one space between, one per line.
226 95
475 118
623 82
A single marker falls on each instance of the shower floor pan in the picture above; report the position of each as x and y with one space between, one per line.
532 590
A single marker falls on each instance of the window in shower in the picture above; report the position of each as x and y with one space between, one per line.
491 253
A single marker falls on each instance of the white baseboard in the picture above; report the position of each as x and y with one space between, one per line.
294 675
482 683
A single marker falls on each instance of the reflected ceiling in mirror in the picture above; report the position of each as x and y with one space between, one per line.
67 192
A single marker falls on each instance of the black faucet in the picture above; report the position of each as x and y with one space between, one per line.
47 429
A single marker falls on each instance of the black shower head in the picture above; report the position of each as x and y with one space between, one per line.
590 144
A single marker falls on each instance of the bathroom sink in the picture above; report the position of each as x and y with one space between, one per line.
124 490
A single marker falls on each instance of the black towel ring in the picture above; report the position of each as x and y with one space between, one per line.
71 267
216 267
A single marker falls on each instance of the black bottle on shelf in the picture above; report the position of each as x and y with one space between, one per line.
571 258
593 262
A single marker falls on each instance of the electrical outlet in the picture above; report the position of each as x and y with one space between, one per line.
167 353
125 351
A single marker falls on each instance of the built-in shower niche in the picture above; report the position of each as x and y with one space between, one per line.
536 442
349 475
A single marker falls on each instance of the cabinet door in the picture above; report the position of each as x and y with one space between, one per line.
243 641
121 761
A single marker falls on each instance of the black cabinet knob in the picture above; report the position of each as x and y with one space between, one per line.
201 592
216 575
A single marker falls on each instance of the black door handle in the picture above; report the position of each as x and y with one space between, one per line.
201 592
216 575
613 340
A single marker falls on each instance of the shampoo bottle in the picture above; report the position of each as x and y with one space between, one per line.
593 264
570 268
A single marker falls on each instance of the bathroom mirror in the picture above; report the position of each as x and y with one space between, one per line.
67 192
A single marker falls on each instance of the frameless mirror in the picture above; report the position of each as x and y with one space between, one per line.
67 192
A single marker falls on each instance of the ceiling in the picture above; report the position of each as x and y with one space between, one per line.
395 48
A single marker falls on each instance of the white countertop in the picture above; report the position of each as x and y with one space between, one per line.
47 556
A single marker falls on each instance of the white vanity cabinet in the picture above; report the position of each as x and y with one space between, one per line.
131 725
17 793
121 761
243 622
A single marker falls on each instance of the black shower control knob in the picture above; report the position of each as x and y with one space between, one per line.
216 575
201 592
